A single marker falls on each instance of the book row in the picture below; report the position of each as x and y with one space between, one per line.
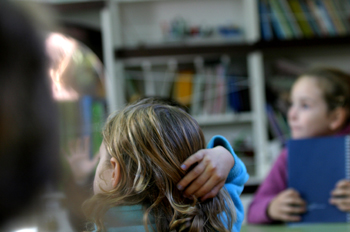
296 19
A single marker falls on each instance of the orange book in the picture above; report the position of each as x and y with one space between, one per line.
183 87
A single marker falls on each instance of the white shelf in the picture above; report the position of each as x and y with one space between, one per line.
254 180
217 119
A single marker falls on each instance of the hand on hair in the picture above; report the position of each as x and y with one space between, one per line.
207 178
341 196
286 206
79 160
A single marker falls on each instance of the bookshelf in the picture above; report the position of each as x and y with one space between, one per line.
124 49
120 19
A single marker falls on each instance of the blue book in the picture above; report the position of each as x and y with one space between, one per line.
314 167
265 21
310 18
86 118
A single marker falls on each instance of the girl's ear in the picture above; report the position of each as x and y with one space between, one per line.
338 118
115 172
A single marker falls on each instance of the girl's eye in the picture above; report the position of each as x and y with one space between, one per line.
305 106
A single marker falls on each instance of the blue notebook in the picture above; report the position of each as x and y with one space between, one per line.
314 168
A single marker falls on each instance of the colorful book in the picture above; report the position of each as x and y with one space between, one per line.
314 10
314 167
274 125
220 91
278 15
310 19
183 87
301 18
291 18
340 10
265 20
325 17
234 98
209 91
276 25
98 120
198 88
339 27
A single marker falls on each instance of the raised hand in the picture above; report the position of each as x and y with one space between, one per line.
341 196
207 178
79 160
287 206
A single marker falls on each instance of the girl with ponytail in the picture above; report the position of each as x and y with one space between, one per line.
135 185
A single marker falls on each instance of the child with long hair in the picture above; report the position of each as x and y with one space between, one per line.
135 185
320 106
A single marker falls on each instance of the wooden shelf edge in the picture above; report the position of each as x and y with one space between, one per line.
302 43
228 48
182 49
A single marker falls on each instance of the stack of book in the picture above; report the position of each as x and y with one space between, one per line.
295 19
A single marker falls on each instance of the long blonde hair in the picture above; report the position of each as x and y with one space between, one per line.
150 141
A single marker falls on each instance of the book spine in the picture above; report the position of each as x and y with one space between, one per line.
347 165
325 17
310 19
291 18
281 19
265 21
301 18
276 24
334 17
318 18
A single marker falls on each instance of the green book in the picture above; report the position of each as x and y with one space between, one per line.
281 18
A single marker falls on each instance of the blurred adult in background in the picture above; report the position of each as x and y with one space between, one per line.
28 132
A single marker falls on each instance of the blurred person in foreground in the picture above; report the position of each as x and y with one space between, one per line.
28 132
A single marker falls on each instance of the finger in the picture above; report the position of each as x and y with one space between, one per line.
86 145
291 192
341 205
343 184
201 185
196 157
213 179
72 146
340 192
213 192
290 218
295 201
340 201
293 209
192 189
192 175
78 144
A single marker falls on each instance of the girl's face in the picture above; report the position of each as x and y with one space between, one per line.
308 114
103 175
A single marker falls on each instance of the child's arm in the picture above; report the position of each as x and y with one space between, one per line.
223 159
81 165
209 175
272 197
235 181
341 196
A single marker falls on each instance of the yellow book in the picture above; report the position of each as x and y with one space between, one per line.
301 18
183 87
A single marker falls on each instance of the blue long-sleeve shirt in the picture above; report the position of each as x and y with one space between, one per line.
235 181
130 218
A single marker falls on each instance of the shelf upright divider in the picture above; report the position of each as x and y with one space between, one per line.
112 38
